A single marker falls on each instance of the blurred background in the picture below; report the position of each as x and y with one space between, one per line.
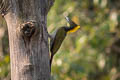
92 53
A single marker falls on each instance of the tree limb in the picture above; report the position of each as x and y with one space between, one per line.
50 4
4 7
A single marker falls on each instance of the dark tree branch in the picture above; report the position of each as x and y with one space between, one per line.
50 4
4 7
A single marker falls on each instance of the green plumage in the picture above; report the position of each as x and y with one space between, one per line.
56 41
59 36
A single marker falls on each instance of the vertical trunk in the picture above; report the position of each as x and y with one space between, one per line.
28 39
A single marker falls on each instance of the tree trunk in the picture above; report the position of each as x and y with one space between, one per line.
28 38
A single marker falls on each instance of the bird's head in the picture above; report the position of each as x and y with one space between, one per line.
73 26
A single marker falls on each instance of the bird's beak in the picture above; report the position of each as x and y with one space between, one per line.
67 19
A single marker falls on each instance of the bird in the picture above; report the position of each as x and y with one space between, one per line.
59 35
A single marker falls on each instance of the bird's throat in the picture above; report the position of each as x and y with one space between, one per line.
74 29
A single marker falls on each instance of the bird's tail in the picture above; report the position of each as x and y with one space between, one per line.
51 61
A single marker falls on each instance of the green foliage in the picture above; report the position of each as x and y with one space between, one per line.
4 66
92 53
84 54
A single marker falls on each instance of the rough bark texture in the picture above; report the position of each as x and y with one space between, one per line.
28 38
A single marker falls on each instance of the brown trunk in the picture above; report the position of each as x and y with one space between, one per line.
28 39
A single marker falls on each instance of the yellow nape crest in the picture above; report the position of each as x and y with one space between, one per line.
74 29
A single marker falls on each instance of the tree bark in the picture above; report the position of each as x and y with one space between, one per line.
28 39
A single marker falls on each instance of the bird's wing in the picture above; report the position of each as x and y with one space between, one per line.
57 40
